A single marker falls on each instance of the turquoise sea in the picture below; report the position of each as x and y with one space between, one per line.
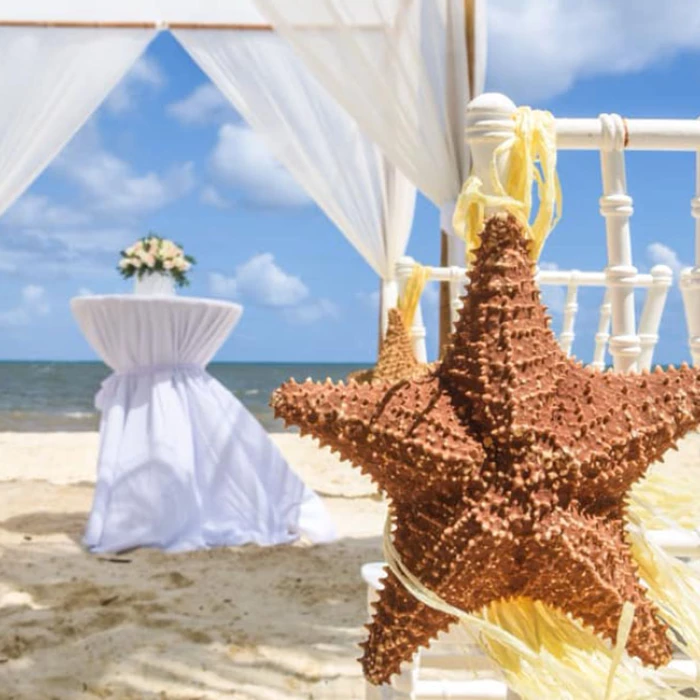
59 396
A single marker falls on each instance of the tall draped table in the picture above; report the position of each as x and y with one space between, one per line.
182 463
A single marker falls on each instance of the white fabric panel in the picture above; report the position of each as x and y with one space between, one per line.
204 11
406 85
51 81
182 464
313 137
201 11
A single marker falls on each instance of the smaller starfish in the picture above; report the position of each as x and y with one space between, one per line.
508 466
396 360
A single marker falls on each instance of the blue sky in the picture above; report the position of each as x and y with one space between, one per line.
165 153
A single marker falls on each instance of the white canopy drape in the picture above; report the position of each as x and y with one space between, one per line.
315 139
401 69
51 81
241 12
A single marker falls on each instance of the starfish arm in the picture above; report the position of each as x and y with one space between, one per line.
400 625
403 435
582 566
616 425
461 553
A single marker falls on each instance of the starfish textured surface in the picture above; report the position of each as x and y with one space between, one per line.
396 360
507 467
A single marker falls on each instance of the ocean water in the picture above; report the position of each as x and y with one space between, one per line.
59 396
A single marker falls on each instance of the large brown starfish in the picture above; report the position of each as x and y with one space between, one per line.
507 467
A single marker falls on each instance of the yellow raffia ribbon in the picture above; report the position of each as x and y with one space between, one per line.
408 303
673 584
532 158
544 653
667 499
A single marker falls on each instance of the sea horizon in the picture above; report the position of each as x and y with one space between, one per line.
59 395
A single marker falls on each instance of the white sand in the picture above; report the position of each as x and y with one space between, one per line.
250 622
230 623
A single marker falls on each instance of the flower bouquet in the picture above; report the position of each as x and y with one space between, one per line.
157 264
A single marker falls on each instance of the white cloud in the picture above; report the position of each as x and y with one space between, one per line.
544 47
45 239
85 292
32 305
261 281
111 185
15 317
58 261
661 254
222 286
204 105
108 240
34 297
240 159
311 312
32 210
146 74
39 238
78 240
212 197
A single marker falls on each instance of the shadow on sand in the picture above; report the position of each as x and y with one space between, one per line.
248 622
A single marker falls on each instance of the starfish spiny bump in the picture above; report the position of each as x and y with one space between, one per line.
507 467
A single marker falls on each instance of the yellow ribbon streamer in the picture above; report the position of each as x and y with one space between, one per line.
532 158
408 303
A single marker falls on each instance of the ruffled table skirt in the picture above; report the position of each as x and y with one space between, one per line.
183 465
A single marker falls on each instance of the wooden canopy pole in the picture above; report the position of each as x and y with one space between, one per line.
74 24
445 300
444 320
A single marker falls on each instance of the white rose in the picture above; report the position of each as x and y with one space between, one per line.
168 264
150 260
124 263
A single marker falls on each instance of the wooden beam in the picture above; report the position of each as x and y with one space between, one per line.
75 24
445 316
444 320
233 27
469 29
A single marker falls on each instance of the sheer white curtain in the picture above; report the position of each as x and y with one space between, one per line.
314 138
401 69
51 80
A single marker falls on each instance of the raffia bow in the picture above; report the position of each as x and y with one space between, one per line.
532 158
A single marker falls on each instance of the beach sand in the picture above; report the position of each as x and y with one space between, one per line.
250 622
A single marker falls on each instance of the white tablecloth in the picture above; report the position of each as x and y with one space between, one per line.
182 463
